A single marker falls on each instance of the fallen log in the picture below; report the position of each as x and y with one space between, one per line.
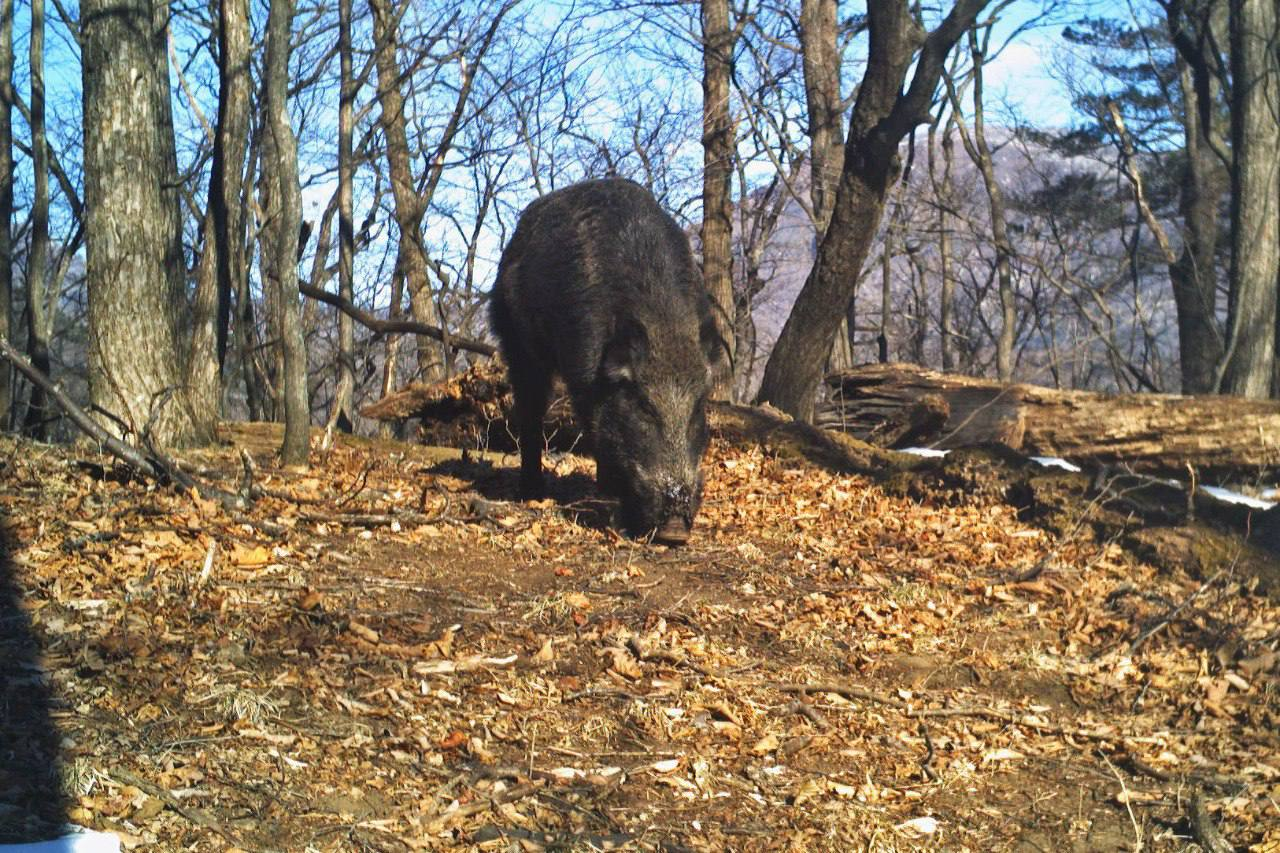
471 409
901 405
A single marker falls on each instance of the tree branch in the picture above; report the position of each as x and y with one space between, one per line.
387 327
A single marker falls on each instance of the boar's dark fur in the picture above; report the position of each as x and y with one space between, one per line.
599 286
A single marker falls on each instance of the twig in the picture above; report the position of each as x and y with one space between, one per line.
926 763
1170 615
516 792
1124 795
191 813
361 481
127 453
1206 832
810 713
381 326
923 713
157 466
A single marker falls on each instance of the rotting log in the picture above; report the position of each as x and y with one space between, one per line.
471 409
901 405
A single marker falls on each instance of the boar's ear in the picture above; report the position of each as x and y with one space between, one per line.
626 349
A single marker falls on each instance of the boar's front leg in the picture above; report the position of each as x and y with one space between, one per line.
531 386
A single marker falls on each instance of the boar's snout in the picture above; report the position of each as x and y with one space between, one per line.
668 513
674 532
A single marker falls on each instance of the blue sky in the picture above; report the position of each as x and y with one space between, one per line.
1020 85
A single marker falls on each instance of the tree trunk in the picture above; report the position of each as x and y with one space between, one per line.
221 262
882 116
903 405
343 414
1204 181
204 380
134 262
821 57
886 294
39 414
287 216
1255 203
6 204
718 143
820 54
411 257
979 152
392 351
947 294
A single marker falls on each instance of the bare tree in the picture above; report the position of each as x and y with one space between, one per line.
6 201
222 266
883 114
134 263
944 196
1195 30
285 213
414 194
979 151
343 414
820 55
718 38
39 322
1255 199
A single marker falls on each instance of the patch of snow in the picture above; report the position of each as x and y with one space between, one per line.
1056 462
1228 496
924 451
77 840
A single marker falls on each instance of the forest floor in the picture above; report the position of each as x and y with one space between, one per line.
386 652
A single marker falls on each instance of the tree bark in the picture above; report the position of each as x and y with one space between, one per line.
221 260
244 326
343 414
979 151
39 415
204 385
718 142
411 256
6 203
820 54
287 216
1255 204
820 57
134 262
1203 183
882 116
903 405
947 293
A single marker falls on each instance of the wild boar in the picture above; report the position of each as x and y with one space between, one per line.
598 285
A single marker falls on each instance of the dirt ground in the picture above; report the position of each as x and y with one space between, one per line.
386 652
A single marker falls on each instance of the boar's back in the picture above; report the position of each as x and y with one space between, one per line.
587 257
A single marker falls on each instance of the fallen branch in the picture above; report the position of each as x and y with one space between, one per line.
804 709
155 465
1206 832
127 453
922 713
388 327
516 792
1172 614
191 813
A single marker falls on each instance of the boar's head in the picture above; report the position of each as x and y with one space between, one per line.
650 424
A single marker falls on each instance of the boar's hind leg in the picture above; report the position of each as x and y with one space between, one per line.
531 387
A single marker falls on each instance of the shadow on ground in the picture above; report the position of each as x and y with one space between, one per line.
33 805
574 494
